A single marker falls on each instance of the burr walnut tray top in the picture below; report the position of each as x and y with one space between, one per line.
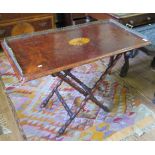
43 53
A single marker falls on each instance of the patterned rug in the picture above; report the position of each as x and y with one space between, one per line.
129 115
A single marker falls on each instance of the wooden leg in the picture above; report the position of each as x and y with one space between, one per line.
70 113
50 95
153 63
86 91
125 68
69 121
108 70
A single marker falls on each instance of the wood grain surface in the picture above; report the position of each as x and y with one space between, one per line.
41 54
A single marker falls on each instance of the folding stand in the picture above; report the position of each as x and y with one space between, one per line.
84 90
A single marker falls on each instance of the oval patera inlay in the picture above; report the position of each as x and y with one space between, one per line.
79 41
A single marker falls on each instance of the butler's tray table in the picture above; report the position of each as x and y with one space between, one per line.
56 52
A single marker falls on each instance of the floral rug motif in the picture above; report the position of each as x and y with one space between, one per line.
128 112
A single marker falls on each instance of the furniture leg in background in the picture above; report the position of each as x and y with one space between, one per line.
125 67
153 63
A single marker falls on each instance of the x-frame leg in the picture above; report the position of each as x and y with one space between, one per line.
66 76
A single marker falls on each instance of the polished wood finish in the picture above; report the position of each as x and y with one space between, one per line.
130 19
22 28
78 15
11 17
49 52
100 16
20 23
135 19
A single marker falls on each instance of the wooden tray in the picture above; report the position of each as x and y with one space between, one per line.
43 53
